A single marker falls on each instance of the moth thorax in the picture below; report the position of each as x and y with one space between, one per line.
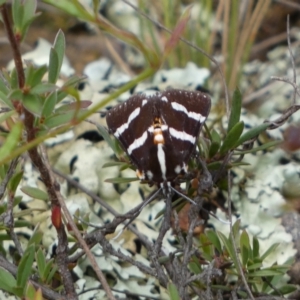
157 132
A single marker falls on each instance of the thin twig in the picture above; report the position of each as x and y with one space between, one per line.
292 56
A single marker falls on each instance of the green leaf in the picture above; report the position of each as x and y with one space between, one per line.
30 292
212 236
285 289
206 246
50 270
5 100
73 81
7 282
255 244
12 140
269 251
57 120
3 86
216 165
254 266
228 245
41 262
260 148
17 14
174 295
33 103
49 104
5 116
14 181
116 164
253 132
36 238
215 143
54 67
78 105
245 247
43 88
73 8
264 273
232 137
35 193
25 267
29 11
104 133
235 109
14 83
38 75
121 179
59 46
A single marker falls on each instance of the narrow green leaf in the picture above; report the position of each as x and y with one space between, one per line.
235 109
57 120
17 14
30 292
206 246
33 103
5 100
38 75
212 236
14 84
104 133
50 270
115 164
285 289
174 295
7 282
49 104
12 140
54 67
14 181
254 266
269 251
25 267
228 245
73 8
35 193
260 148
3 86
216 165
73 81
264 273
255 244
215 143
232 137
5 116
29 10
41 262
121 179
245 247
78 105
29 74
253 132
43 87
36 238
59 46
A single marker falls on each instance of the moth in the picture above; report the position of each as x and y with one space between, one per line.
159 132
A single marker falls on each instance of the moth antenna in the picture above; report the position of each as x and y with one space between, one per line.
193 202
